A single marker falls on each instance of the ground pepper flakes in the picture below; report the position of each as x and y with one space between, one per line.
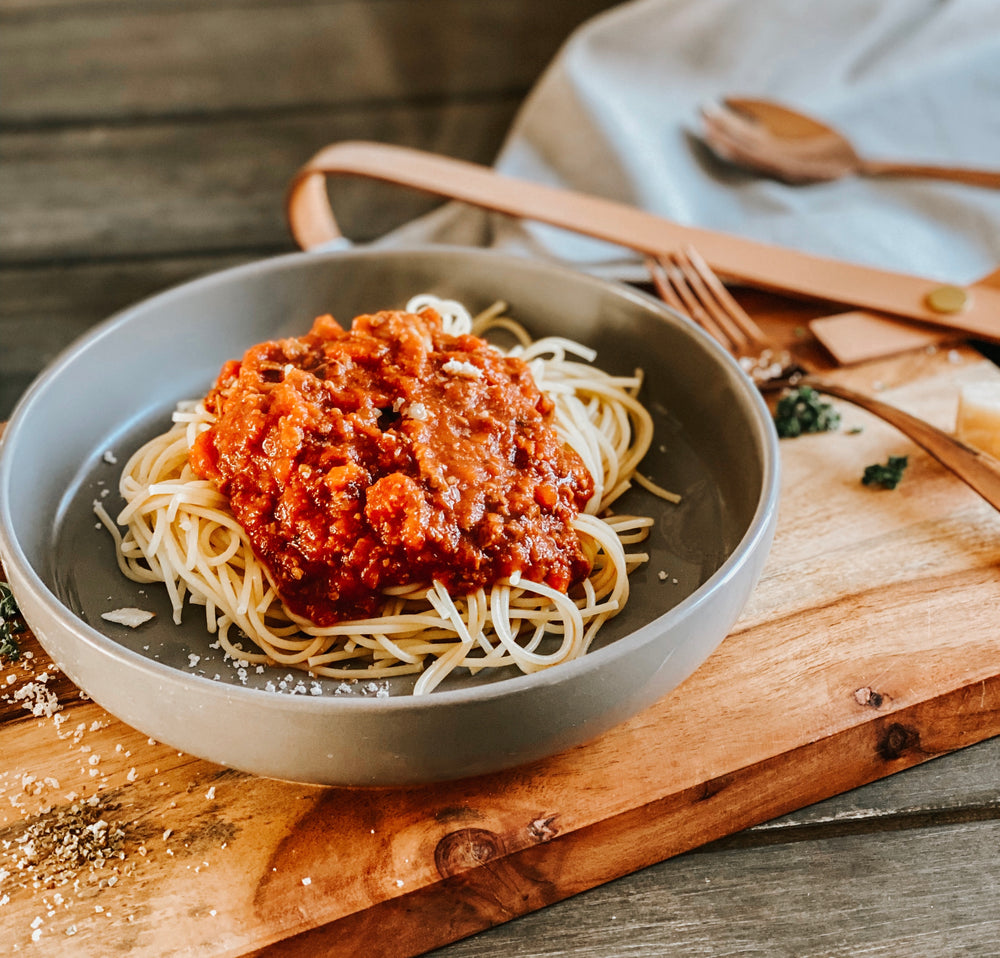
59 846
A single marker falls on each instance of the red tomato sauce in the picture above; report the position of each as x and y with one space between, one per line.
392 454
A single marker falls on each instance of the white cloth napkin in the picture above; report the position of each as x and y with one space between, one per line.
616 115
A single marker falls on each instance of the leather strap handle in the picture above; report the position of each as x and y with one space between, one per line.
738 259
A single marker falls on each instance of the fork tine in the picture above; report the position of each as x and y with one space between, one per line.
685 281
734 311
695 278
672 285
658 273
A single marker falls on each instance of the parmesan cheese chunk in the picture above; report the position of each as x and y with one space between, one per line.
455 367
133 618
978 420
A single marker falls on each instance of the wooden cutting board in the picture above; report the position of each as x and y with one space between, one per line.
869 646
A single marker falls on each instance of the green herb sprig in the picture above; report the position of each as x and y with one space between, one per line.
11 624
802 410
888 475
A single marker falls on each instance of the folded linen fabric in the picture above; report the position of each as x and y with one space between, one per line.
616 115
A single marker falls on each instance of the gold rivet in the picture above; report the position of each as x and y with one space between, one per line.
947 299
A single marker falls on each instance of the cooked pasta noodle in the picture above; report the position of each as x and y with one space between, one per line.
179 530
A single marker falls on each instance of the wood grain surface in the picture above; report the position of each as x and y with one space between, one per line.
844 668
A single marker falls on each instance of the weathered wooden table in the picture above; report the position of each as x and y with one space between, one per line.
141 145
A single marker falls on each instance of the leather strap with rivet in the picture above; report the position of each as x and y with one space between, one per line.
973 310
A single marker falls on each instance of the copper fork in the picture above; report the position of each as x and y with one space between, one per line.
686 282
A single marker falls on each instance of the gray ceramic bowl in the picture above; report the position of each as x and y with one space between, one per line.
715 444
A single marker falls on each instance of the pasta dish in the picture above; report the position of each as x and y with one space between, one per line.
399 497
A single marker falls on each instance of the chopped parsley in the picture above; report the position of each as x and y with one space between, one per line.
887 475
802 410
11 624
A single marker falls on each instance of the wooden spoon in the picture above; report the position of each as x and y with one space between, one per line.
795 148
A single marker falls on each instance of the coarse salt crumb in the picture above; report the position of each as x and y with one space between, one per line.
210 794
306 881
37 698
110 458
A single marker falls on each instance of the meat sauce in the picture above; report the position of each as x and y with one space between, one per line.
392 454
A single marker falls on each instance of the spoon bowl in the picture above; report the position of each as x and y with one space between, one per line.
784 144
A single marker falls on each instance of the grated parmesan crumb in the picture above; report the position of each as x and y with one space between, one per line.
133 618
455 367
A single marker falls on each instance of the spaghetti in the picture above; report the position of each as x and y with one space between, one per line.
180 529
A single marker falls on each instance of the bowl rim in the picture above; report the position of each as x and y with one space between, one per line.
20 568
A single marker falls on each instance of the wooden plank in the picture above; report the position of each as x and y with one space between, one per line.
962 786
932 893
773 721
43 309
65 62
190 188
